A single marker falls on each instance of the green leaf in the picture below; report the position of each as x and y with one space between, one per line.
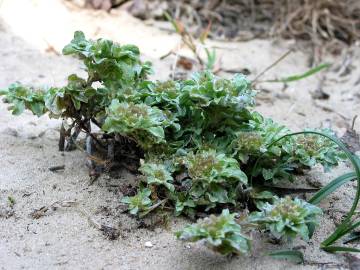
37 108
333 249
304 75
18 107
157 174
331 187
235 173
268 174
138 203
353 236
295 256
157 132
172 21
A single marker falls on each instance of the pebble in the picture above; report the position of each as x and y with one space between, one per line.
32 136
11 131
148 244
6 211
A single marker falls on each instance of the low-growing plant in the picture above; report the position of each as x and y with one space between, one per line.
138 203
198 143
158 175
220 233
286 218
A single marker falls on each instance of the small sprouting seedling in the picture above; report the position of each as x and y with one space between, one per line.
291 78
287 218
210 54
304 75
220 233
11 201
140 202
260 197
189 41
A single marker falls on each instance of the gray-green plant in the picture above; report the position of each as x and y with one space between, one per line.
138 203
220 233
198 143
287 218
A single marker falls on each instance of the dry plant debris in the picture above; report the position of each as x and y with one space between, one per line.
108 231
243 19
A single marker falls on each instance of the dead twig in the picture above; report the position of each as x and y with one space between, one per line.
110 232
351 138
353 122
56 168
153 207
40 212
271 66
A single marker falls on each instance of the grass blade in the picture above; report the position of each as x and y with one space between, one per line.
343 229
352 237
291 255
173 22
331 187
298 77
334 249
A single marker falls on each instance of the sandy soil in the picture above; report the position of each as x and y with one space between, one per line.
65 239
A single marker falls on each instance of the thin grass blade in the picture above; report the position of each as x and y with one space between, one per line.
295 256
304 75
333 249
353 236
173 22
331 187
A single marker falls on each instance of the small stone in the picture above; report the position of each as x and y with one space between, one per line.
282 96
187 246
42 133
148 244
32 136
11 131
6 211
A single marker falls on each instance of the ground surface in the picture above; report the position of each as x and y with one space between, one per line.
64 239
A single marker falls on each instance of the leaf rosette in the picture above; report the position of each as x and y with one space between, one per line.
143 123
220 233
138 203
287 218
